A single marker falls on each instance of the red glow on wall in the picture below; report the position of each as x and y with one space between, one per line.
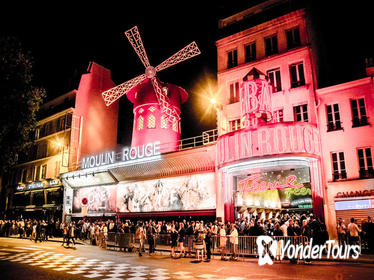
99 122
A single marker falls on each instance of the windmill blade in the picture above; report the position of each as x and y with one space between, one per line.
164 103
111 95
136 41
187 52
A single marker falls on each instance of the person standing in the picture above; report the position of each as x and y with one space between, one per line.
222 241
139 235
353 232
342 231
174 240
151 238
234 240
181 234
208 242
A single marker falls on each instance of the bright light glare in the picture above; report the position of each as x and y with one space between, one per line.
207 96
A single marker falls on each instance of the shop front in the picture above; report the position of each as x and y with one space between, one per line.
179 184
39 199
350 199
272 170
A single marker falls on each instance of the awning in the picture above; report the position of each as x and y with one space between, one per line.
194 160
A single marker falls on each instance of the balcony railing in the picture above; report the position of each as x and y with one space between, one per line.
205 138
339 175
356 122
369 173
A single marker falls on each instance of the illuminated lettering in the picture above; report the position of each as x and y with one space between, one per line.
253 184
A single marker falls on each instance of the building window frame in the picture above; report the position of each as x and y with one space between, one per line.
293 37
232 58
234 125
274 76
300 113
339 171
278 115
250 52
333 117
297 74
234 91
365 162
271 45
151 122
44 171
359 112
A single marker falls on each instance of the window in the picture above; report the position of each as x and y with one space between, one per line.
164 122
271 45
44 171
232 59
278 116
293 38
359 117
301 113
275 79
37 133
250 52
61 123
151 121
234 125
37 173
140 123
234 92
333 117
338 166
365 161
297 75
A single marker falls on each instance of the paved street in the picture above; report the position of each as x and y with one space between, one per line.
23 259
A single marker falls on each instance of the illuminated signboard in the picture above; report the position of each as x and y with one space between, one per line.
35 186
272 139
255 102
354 204
127 154
193 192
275 189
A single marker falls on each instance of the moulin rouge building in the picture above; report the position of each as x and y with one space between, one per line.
281 144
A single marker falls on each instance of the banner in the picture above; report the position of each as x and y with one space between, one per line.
289 188
193 192
100 199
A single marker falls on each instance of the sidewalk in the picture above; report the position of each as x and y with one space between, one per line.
364 258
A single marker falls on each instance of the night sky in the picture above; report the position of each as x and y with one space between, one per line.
63 38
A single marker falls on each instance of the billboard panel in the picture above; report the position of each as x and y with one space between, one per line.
193 192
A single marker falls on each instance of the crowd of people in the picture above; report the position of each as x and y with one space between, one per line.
96 231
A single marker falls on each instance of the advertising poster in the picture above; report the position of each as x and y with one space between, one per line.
100 199
275 189
193 192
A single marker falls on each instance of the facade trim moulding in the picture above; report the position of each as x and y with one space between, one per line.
258 62
262 27
345 86
55 116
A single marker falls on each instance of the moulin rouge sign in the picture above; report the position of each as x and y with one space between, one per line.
127 154
271 139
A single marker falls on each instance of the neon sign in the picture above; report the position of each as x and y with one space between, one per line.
127 154
255 102
253 184
279 138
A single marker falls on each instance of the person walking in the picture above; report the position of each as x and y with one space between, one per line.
72 234
139 235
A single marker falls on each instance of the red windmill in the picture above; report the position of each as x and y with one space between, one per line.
156 104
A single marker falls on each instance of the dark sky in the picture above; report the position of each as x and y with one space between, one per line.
63 38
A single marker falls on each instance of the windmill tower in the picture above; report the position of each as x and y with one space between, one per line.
156 104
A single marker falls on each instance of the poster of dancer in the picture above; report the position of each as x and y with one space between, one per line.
193 192
101 199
